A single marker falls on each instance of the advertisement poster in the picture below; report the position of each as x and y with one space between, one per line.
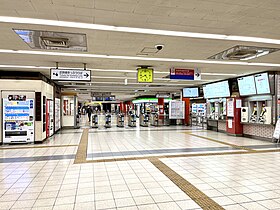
176 110
262 83
230 107
57 124
18 119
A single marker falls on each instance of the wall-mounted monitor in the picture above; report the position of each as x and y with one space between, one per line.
216 90
262 83
190 92
246 86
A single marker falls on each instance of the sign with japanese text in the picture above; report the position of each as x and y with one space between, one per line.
185 74
70 75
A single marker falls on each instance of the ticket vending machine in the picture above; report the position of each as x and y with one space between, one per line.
265 115
18 117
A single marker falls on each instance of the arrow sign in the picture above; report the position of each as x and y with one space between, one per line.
185 74
70 75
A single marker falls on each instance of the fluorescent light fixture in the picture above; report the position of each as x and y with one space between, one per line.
24 67
113 70
133 83
86 55
45 22
218 74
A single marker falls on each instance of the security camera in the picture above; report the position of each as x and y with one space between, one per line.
159 47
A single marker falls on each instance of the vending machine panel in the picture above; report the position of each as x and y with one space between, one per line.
18 119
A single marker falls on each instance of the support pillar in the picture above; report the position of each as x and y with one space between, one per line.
161 108
122 105
187 110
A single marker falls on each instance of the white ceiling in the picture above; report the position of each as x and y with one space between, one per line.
240 17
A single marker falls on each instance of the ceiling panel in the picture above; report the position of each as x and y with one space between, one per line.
239 17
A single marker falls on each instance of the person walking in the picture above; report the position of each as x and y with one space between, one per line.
89 112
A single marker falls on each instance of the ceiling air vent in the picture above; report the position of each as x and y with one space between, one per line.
147 51
55 41
240 52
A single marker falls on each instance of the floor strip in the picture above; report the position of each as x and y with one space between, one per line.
35 147
221 142
181 155
194 193
81 156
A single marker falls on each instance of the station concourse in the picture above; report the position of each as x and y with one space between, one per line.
139 105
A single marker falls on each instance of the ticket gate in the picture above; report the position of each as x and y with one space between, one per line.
132 120
144 120
108 118
120 120
94 121
154 119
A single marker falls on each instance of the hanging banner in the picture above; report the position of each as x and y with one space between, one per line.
185 74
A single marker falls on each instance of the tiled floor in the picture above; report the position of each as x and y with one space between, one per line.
47 178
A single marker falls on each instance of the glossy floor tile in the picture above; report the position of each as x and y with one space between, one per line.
45 177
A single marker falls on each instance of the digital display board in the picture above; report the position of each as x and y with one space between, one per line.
216 90
190 92
246 86
262 83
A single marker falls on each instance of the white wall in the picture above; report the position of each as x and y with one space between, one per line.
27 85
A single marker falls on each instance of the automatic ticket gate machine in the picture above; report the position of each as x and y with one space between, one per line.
144 120
108 119
132 120
120 120
154 119
94 121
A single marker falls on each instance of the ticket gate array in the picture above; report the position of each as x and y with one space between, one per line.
144 120
120 120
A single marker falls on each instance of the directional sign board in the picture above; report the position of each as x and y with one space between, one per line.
70 75
185 74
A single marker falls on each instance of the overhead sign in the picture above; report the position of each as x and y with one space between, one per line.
100 94
185 74
161 95
70 75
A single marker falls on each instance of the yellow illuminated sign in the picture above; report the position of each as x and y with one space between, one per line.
145 75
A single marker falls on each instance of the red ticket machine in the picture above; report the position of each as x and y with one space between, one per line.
234 126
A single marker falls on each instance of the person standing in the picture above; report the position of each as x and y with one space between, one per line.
89 112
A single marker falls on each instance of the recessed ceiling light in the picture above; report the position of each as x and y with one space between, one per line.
86 55
20 20
218 74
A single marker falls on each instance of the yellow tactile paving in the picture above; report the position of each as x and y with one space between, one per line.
81 155
195 194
